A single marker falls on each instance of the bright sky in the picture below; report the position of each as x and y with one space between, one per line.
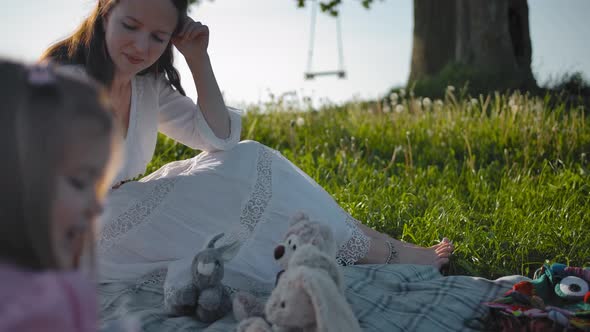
261 46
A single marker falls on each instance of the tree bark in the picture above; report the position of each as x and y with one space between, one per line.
490 35
434 37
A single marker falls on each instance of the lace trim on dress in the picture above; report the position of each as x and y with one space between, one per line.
154 279
134 216
255 207
356 247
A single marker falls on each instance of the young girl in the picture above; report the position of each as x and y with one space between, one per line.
57 139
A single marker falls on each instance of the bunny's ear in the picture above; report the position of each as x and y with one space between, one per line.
332 311
229 251
211 243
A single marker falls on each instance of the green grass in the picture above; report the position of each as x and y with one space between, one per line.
504 177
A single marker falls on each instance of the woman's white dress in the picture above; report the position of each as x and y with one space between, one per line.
245 190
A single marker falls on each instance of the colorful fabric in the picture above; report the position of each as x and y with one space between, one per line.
558 297
383 298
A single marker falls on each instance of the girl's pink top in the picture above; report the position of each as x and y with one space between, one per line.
46 301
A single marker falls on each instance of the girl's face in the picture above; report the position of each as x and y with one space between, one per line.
77 200
137 33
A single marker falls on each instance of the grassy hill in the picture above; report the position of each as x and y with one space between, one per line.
506 177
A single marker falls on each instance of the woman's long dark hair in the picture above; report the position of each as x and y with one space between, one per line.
87 47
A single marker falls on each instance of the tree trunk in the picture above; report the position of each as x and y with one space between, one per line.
488 35
434 37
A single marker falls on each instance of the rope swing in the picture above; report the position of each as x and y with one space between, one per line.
340 72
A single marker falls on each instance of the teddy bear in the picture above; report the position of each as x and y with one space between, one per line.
306 299
301 231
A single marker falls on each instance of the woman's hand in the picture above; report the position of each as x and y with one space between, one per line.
192 40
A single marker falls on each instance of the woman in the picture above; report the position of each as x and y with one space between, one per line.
245 190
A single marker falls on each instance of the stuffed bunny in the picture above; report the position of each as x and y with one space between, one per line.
246 305
301 232
213 300
306 299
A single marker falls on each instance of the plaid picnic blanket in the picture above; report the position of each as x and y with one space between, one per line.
383 297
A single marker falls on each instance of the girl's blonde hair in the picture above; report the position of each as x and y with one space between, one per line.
37 109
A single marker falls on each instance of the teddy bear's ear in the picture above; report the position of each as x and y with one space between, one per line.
325 240
326 233
298 217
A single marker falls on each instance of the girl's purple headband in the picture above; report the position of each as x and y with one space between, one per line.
41 74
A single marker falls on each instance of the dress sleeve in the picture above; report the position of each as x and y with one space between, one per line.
63 303
181 119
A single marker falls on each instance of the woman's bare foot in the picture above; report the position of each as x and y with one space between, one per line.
438 255
404 253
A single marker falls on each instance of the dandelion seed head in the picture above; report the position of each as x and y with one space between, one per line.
511 102
418 104
393 97
300 122
438 104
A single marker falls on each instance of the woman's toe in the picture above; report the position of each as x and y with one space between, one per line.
444 248
439 245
